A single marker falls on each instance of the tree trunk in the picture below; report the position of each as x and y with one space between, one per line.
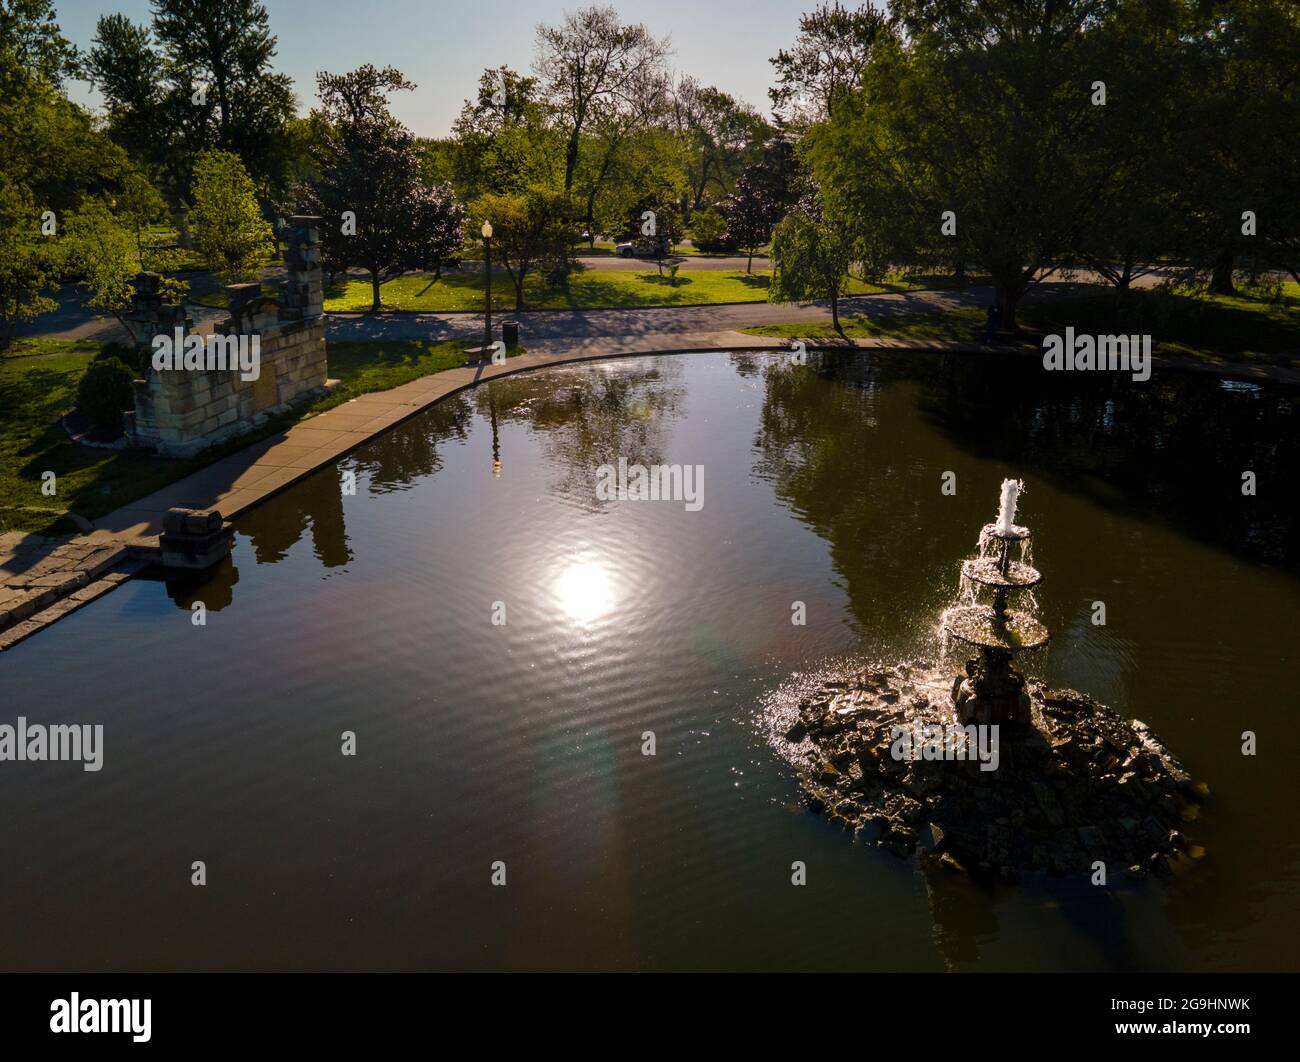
519 292
570 162
835 312
1007 299
959 271
1221 278
750 268
181 219
374 289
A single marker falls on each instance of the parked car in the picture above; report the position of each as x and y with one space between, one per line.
658 248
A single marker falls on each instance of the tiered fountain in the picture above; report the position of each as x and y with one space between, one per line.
1072 782
993 690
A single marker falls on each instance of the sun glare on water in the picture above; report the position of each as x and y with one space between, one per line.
584 591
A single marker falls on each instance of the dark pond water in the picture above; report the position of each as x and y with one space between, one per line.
522 742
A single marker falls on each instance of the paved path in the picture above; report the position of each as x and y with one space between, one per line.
665 322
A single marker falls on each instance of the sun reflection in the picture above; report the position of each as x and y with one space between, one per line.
584 591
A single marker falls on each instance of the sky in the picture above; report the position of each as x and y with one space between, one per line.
444 46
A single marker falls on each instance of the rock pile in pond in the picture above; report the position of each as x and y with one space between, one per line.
1078 785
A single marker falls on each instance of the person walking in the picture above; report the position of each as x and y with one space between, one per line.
991 323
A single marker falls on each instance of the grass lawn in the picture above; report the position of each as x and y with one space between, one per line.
605 250
1214 327
950 325
38 384
588 290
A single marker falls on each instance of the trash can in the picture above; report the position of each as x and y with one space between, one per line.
510 336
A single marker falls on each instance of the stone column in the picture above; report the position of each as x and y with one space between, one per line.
302 296
150 316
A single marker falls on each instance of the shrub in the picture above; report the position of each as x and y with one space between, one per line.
709 230
105 392
133 357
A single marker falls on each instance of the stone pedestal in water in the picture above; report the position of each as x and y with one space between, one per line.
993 691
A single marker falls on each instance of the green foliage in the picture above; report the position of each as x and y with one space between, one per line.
531 233
29 261
134 357
105 392
102 251
708 229
100 248
229 229
200 77
506 146
617 179
141 205
810 258
720 136
368 164
823 67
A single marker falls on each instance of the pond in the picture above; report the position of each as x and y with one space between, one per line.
505 644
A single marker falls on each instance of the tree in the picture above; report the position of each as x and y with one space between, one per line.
31 45
978 117
708 229
505 146
200 77
810 258
102 249
51 156
531 232
721 134
646 174
141 204
1142 58
367 164
751 211
823 67
227 47
596 70
29 262
230 231
1240 122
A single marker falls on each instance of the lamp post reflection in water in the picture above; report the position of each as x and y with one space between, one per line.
496 436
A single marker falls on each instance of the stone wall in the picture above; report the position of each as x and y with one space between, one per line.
181 411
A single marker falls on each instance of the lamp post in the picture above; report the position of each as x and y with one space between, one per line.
487 314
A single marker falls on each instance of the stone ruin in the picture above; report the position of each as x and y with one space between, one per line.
179 412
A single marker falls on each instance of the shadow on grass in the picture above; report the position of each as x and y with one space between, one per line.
1236 328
